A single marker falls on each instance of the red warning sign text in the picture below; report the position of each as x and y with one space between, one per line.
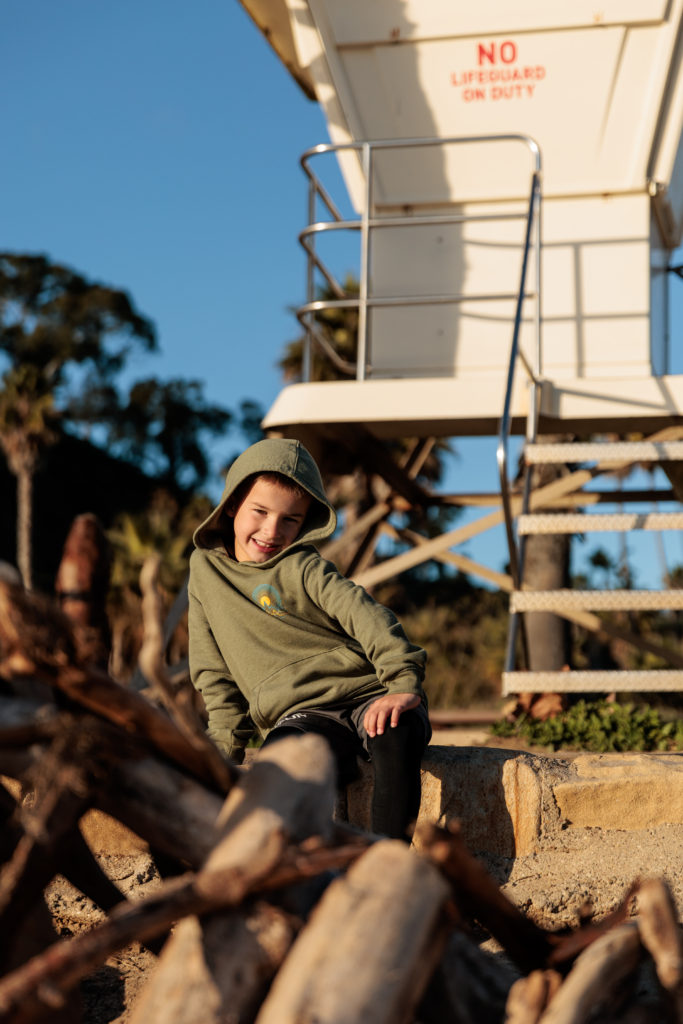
498 74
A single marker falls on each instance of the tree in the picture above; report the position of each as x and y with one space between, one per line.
27 418
159 426
55 326
164 530
336 332
54 319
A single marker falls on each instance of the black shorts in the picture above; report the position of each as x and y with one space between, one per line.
342 724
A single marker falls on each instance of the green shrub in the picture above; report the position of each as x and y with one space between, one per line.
597 726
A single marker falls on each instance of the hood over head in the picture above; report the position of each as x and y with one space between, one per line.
272 455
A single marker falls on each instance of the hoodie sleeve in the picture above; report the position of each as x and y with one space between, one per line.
399 664
230 726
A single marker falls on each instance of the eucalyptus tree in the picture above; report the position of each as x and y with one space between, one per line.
59 333
161 426
27 426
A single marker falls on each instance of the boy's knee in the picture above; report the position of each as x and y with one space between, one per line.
405 738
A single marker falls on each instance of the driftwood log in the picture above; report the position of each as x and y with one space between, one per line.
377 936
280 913
226 962
82 584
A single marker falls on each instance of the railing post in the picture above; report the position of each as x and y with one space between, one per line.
362 355
307 355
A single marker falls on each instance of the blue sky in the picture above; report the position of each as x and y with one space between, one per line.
154 146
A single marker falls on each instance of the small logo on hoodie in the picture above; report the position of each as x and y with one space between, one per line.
268 598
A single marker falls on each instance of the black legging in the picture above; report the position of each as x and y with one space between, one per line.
396 757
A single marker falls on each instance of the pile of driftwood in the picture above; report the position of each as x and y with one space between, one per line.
268 909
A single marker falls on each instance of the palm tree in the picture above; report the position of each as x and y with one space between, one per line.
27 420
56 328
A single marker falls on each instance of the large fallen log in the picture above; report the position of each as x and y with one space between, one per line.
662 937
172 811
469 986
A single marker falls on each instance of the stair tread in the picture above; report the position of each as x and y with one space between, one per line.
594 681
596 600
600 451
585 522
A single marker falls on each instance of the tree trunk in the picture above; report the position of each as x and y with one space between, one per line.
25 525
546 567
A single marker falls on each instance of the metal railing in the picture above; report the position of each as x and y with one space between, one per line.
364 301
515 547
365 223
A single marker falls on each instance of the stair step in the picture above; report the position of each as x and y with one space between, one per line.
595 522
596 600
604 451
653 681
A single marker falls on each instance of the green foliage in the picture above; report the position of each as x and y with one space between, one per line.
337 330
52 318
597 726
164 529
161 427
27 417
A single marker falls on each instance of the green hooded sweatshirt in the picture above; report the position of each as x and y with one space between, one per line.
274 637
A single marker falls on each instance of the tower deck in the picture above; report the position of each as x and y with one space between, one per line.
426 407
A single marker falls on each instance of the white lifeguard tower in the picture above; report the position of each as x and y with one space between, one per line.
513 183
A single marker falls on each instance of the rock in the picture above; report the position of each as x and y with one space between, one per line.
623 791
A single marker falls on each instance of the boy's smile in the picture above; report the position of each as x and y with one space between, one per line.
269 518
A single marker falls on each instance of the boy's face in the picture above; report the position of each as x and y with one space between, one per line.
268 519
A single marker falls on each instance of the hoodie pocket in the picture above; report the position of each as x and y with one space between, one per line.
321 678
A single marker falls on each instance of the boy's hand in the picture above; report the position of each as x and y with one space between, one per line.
388 709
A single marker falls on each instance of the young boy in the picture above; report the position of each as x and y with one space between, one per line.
282 643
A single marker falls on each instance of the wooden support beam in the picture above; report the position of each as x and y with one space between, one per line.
595 624
432 548
500 579
365 531
357 530
376 459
